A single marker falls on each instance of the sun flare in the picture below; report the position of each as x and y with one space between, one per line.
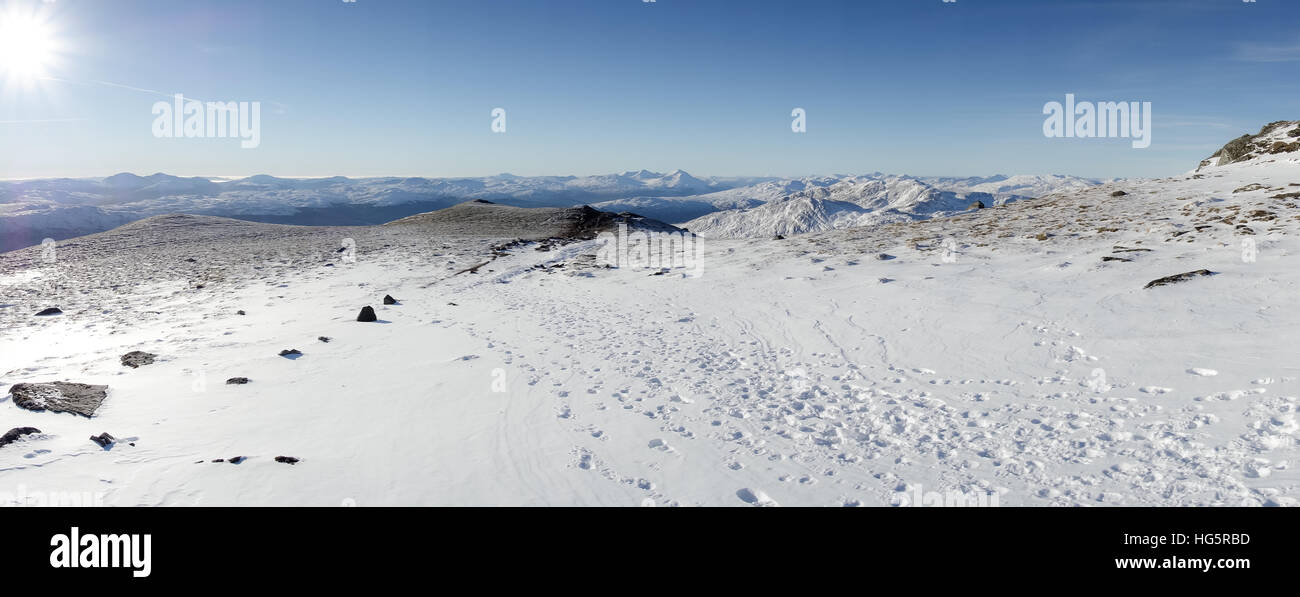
26 46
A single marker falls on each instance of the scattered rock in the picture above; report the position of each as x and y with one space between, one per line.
291 353
885 257
452 304
237 459
286 459
103 440
778 237
240 312
136 358
236 381
1118 194
12 435
1167 280
389 300
976 205
1110 258
367 315
219 460
50 311
59 397
325 339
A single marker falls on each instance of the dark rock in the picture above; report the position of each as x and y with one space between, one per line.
778 237
236 381
240 312
137 358
389 300
286 459
451 304
50 311
291 353
884 257
104 440
976 205
13 434
1167 280
237 459
367 315
325 339
1118 194
59 397
1110 258
219 460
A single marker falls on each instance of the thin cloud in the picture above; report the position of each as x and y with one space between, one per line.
1257 52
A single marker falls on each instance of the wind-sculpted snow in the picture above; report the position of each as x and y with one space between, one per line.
999 357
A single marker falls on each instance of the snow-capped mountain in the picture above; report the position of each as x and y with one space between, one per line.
64 208
864 201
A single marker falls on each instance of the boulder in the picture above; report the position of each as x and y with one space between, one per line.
236 381
286 459
367 315
135 359
60 397
389 300
103 440
50 311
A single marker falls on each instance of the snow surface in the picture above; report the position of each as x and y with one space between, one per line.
990 354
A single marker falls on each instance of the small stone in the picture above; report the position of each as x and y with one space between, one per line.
389 300
50 311
237 459
1167 280
367 315
291 353
325 339
236 381
104 440
13 434
286 459
240 312
1118 194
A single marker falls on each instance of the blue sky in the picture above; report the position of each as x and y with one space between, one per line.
394 87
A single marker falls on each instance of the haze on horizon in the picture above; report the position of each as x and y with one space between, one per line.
408 87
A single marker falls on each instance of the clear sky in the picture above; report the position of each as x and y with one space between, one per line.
407 87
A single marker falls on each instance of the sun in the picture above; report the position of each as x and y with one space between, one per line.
27 45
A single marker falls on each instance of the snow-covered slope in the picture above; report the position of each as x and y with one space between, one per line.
860 201
1006 356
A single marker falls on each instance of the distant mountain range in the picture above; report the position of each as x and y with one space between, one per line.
63 208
